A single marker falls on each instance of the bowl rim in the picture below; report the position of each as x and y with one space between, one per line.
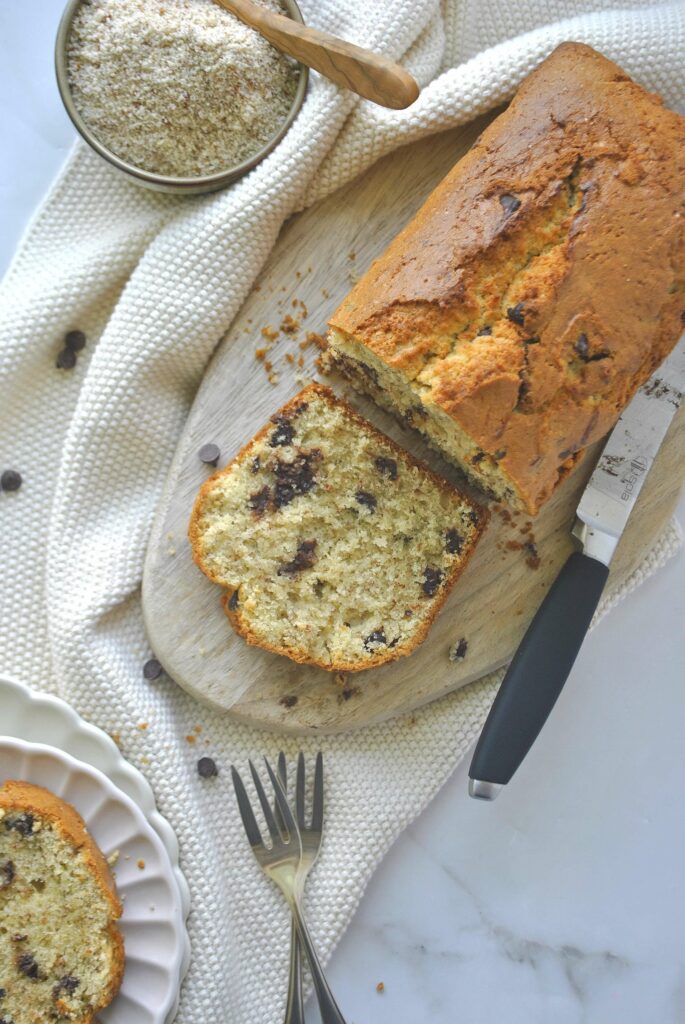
165 182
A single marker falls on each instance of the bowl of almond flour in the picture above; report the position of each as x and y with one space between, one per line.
178 94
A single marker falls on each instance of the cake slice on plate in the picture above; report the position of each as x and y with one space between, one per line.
334 546
61 953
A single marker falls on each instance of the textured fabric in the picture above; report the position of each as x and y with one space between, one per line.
155 281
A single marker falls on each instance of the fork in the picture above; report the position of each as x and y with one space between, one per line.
310 836
281 863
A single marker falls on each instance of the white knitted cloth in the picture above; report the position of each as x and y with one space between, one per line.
154 281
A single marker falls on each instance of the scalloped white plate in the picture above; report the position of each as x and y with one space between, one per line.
42 739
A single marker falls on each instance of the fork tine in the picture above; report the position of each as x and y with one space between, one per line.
283 777
288 819
299 791
317 810
283 772
246 813
266 806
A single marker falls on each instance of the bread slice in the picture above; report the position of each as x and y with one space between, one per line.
336 548
61 953
539 285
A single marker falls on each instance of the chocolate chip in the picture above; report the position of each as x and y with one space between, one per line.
386 467
210 454
3 993
375 640
206 768
283 434
233 601
152 669
533 340
366 499
473 516
478 457
27 964
682 316
10 480
256 464
582 347
66 359
258 502
21 823
458 651
6 874
75 341
484 332
67 984
453 542
304 559
296 477
499 454
289 700
300 408
509 203
432 578
515 314
408 614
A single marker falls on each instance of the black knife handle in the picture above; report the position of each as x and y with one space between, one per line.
539 670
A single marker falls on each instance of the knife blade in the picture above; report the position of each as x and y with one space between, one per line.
549 648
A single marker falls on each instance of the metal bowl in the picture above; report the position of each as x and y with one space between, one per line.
164 182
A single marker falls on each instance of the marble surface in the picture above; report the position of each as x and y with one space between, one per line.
561 903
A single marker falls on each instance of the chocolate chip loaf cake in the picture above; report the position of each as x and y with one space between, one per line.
539 285
335 547
61 954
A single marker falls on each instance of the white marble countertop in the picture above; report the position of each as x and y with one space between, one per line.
563 902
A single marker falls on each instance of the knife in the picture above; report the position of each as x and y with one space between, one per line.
551 643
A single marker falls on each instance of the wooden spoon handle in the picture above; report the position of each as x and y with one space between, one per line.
368 74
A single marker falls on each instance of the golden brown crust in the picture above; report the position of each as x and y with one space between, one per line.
610 268
301 655
25 797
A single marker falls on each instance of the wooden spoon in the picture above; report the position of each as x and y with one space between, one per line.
368 74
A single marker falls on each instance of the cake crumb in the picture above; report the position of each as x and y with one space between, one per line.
142 726
380 987
289 325
141 865
269 333
113 858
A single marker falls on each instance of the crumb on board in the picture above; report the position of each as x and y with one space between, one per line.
289 325
269 333
141 865
191 738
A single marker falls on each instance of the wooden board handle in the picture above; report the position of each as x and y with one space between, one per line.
366 73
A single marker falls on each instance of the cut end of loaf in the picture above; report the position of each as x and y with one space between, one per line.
334 546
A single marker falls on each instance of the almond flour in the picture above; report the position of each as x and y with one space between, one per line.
177 87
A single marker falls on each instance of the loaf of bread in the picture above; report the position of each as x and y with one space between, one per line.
335 547
538 287
61 954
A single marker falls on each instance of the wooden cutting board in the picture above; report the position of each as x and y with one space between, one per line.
318 256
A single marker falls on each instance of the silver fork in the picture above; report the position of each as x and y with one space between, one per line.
281 862
310 837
